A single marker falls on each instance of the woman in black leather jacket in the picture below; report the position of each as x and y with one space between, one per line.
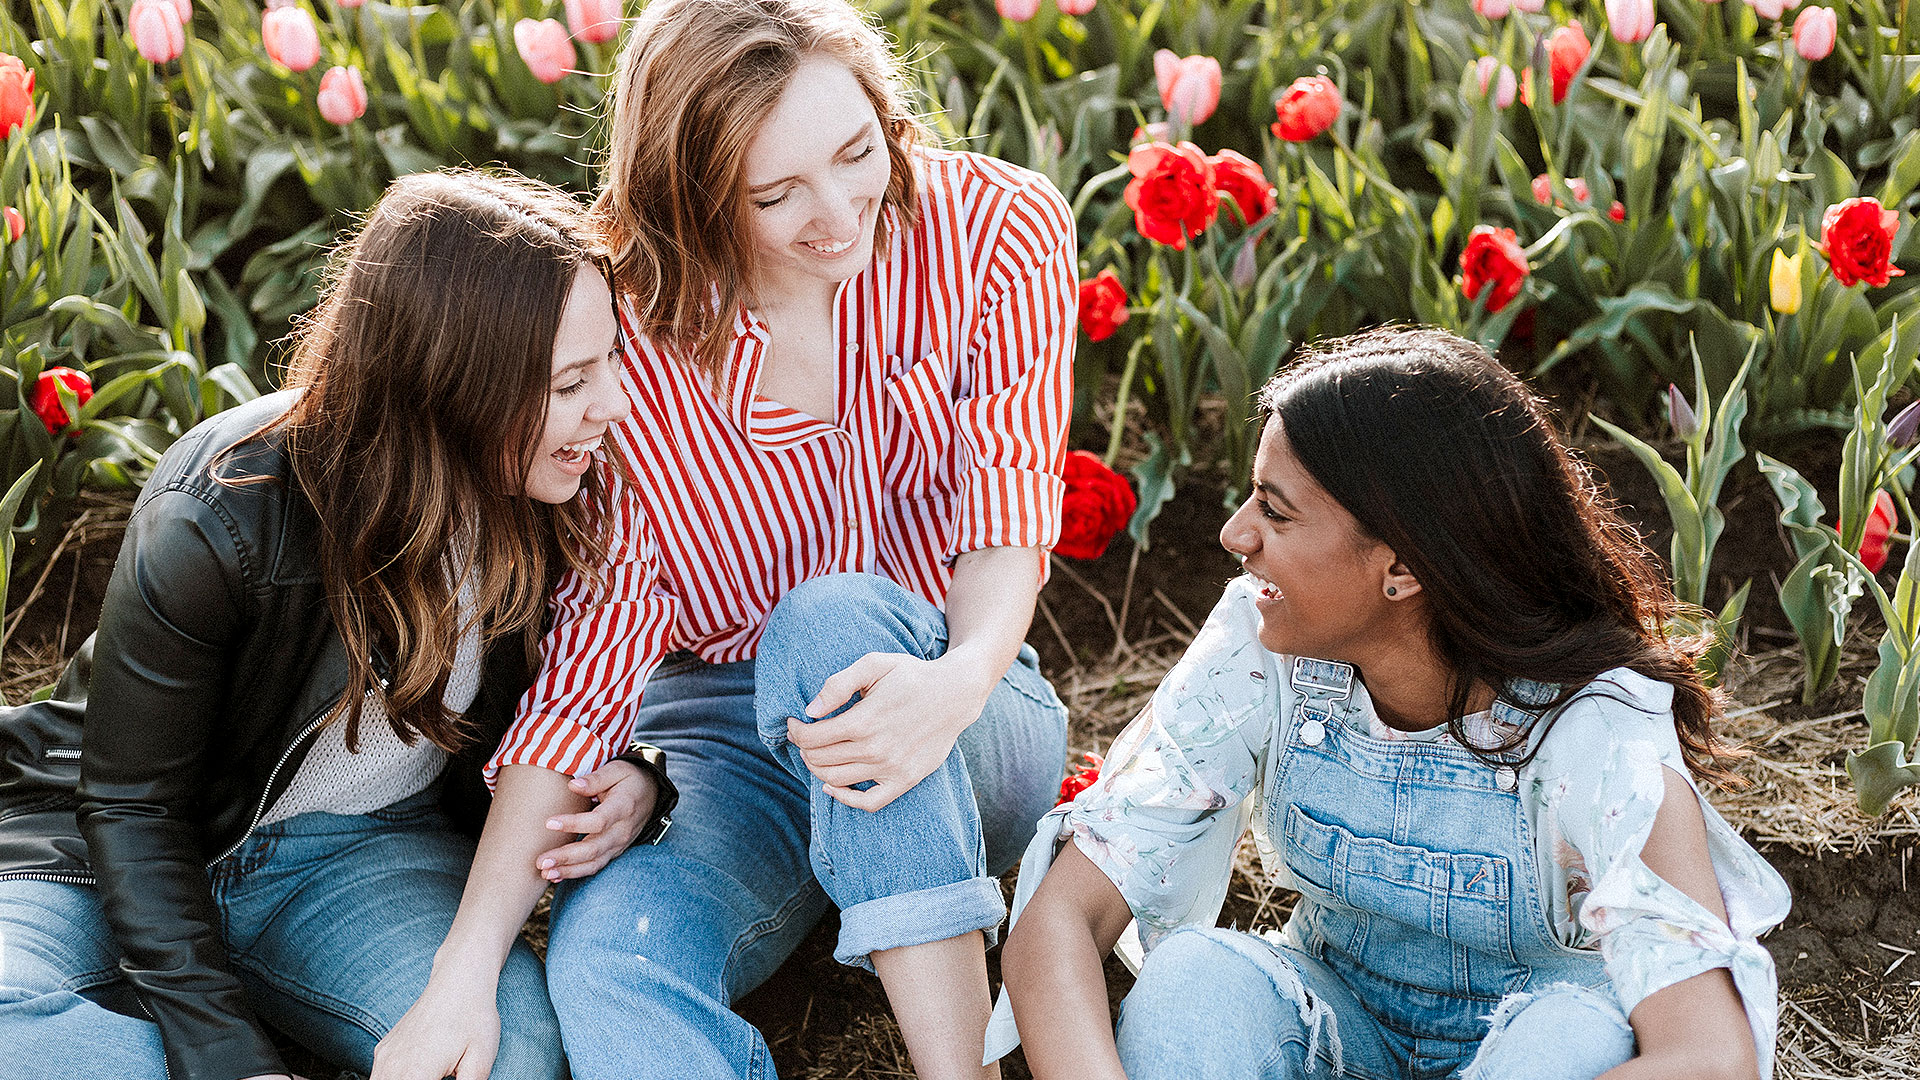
243 800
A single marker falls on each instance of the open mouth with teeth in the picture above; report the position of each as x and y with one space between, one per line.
576 453
1268 590
828 247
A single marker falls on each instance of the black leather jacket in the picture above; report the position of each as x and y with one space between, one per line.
214 663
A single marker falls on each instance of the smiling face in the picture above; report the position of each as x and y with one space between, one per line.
817 172
1323 580
584 397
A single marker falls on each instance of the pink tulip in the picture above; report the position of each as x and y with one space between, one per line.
290 37
349 3
1813 33
1772 9
1074 7
1493 9
1531 7
594 20
545 47
184 8
1189 85
155 28
1630 21
1017 10
1493 73
343 96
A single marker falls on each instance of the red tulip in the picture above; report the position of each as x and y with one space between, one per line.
1856 236
1103 305
1493 260
594 20
1814 33
44 400
545 48
1618 211
1171 194
1096 506
1189 85
1237 175
290 37
1880 525
16 94
1567 52
343 96
1307 108
16 225
1082 778
157 30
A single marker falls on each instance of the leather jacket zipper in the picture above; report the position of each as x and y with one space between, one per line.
58 876
266 795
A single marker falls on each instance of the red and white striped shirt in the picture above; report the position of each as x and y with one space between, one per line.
954 395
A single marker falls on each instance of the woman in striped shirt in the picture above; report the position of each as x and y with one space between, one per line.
849 356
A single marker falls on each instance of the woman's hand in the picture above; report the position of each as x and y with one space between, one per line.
910 713
453 1030
625 795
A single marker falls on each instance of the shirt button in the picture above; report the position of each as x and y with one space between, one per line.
1312 732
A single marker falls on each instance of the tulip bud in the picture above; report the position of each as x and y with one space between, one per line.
16 225
1680 414
1905 429
343 96
1814 32
290 37
1567 52
1630 21
1017 10
44 398
1772 9
349 3
1493 73
1246 266
545 48
16 94
1783 282
1531 7
1493 9
593 20
1189 85
184 9
1074 7
155 27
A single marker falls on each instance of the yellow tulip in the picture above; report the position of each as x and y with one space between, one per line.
1784 282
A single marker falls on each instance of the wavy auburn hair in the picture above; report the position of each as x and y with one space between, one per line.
694 82
1444 456
425 372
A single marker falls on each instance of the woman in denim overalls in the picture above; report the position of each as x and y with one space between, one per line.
1440 698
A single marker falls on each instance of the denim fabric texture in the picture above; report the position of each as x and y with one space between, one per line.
647 955
331 922
1420 946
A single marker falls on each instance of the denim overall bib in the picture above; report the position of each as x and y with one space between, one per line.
1416 869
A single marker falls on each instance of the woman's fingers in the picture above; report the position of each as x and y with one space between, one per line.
854 678
874 798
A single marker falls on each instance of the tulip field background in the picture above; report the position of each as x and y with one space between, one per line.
1692 225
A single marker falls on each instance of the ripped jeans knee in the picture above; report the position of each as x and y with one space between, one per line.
1565 1031
1219 1003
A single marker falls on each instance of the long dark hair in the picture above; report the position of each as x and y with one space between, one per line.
424 374
1444 456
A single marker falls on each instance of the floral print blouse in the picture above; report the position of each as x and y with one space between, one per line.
1181 783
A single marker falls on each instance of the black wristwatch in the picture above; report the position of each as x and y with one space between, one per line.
652 760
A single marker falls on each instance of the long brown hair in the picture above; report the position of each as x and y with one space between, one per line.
424 375
694 82
1448 459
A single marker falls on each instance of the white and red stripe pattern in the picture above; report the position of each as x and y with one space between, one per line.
954 395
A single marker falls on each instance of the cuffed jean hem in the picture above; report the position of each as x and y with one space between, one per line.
918 917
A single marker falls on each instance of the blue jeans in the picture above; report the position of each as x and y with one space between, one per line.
646 956
330 922
1219 1004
